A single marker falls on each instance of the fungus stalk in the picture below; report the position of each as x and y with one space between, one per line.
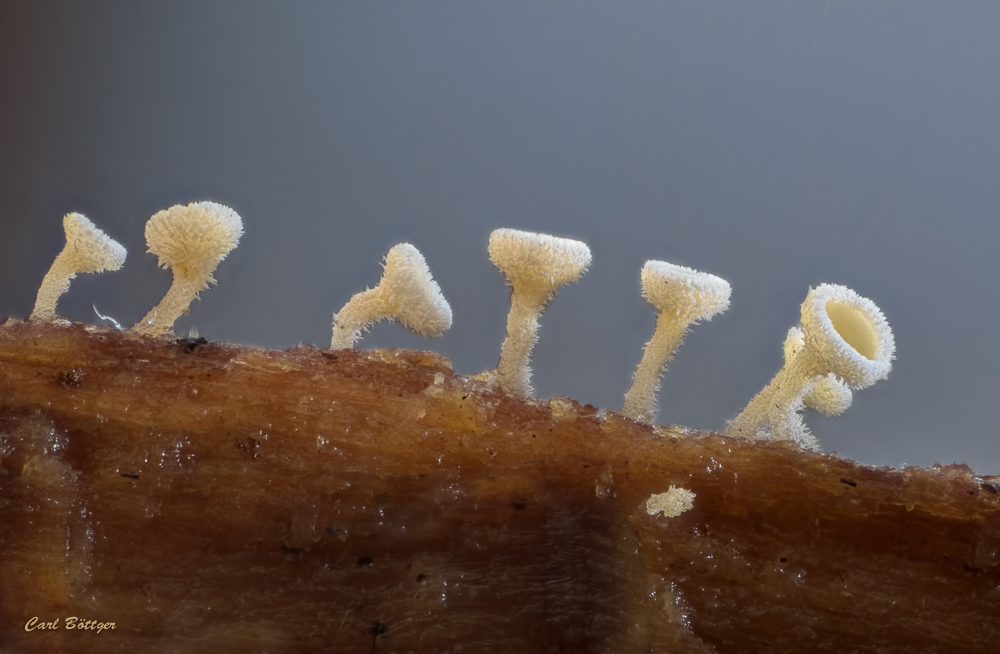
843 334
87 250
536 266
191 240
513 368
829 396
407 293
683 297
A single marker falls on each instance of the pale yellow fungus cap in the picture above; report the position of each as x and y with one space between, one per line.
191 240
849 334
843 334
683 297
87 250
689 294
407 293
672 503
536 266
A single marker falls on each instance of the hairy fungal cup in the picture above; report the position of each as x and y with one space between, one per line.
536 266
88 250
845 335
406 293
683 297
191 240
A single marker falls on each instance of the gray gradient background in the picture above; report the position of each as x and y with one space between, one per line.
778 145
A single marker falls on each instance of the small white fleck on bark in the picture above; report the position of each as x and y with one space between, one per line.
672 503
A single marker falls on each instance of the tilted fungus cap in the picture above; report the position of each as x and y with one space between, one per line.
683 296
413 295
407 293
848 333
691 294
191 240
87 250
538 264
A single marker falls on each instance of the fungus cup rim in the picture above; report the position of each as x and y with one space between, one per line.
830 345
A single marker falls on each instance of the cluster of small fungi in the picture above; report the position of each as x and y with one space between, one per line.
843 344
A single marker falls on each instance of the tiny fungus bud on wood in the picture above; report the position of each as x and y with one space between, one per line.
88 250
191 240
406 293
683 297
536 266
845 335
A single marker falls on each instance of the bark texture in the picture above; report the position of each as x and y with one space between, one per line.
209 497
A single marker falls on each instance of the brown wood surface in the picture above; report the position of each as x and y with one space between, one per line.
209 497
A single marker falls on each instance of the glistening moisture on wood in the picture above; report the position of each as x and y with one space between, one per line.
162 494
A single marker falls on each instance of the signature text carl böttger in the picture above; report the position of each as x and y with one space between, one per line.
71 623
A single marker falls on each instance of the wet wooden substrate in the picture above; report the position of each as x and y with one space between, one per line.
209 497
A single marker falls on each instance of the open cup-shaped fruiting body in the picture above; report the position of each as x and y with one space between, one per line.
407 293
843 334
536 266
